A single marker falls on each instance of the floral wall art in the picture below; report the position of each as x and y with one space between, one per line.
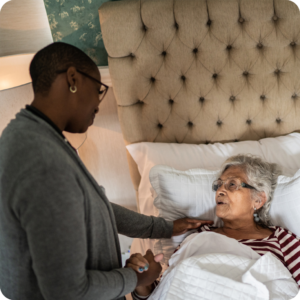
77 23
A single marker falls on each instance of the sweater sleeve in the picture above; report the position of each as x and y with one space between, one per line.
50 207
137 225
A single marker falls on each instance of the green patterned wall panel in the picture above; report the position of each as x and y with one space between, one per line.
77 23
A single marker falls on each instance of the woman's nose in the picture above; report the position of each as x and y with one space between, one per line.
221 193
221 189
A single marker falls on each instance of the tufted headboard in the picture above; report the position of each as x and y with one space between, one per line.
203 71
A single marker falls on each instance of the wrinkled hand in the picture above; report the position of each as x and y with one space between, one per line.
147 277
183 225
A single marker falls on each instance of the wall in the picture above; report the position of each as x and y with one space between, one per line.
103 152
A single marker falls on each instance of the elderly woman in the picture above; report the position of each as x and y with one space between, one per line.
244 192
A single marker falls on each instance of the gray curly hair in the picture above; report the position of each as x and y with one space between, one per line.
261 175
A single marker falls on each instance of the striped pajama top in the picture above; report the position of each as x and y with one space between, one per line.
284 244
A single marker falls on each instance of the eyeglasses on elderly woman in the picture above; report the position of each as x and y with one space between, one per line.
230 184
103 87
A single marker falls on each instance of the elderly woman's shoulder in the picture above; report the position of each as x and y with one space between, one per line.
283 234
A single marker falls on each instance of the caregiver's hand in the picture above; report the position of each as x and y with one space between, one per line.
137 262
148 277
183 225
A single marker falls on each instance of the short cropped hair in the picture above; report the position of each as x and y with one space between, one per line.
55 57
261 175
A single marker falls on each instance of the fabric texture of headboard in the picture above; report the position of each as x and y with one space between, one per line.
203 71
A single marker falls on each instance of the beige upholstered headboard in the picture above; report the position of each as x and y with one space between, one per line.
202 71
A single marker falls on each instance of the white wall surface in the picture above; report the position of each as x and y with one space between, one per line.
24 27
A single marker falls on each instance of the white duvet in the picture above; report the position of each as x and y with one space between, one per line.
212 266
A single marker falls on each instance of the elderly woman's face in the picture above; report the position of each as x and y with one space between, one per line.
236 204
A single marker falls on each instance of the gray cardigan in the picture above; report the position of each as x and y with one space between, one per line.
58 232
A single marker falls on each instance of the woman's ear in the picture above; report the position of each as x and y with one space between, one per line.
261 200
72 76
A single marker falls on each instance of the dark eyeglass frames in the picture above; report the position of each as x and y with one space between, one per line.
231 184
103 87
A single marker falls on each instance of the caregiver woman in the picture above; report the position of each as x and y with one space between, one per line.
244 194
58 231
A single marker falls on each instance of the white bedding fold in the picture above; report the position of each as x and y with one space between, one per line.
213 266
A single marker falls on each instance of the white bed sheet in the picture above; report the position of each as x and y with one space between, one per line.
199 271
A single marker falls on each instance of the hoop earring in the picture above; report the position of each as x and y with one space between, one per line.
255 215
73 90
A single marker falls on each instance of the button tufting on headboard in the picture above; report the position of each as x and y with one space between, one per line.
219 123
263 97
213 63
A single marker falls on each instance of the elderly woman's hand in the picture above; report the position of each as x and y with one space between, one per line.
183 225
145 280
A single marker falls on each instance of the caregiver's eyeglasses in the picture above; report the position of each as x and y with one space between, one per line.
103 87
230 184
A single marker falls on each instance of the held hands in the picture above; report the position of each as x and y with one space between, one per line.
147 267
183 225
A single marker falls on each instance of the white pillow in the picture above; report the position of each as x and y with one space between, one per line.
284 150
180 194
285 207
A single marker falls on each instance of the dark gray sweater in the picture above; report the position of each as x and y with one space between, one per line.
58 231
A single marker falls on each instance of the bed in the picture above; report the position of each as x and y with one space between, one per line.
197 81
